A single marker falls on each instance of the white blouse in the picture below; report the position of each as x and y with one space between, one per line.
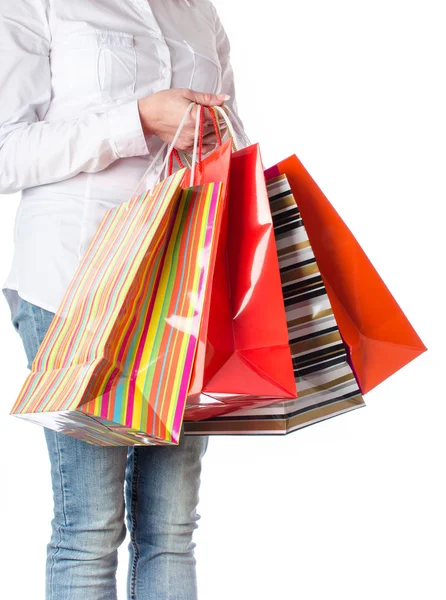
70 133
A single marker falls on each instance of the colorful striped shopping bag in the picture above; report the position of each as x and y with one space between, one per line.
115 364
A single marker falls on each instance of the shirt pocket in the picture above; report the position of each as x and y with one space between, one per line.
117 65
101 65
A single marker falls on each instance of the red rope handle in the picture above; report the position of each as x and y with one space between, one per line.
175 154
200 142
217 131
214 121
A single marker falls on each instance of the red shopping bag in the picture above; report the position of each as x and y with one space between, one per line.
243 357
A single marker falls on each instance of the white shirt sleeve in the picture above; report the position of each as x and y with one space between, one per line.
35 152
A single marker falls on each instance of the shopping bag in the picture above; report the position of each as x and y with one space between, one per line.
115 364
326 385
243 358
379 337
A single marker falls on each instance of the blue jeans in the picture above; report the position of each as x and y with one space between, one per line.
93 485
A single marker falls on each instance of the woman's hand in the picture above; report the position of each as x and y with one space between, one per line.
161 114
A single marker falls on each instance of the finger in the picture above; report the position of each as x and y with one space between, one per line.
187 145
210 138
209 148
210 130
187 137
192 119
206 148
207 120
206 99
207 129
208 123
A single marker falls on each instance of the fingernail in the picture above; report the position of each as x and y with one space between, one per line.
224 96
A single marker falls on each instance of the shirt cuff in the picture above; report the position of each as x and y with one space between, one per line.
126 130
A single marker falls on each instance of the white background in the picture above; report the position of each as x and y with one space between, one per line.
353 507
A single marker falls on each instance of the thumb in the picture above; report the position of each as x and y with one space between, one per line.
206 99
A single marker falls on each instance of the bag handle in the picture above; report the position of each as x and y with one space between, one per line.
198 133
227 115
200 112
176 154
186 158
237 138
231 120
217 133
235 120
160 152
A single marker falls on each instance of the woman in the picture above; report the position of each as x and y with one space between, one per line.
89 92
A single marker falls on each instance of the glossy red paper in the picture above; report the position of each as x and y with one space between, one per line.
243 358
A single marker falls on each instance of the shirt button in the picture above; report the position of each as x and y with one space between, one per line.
165 71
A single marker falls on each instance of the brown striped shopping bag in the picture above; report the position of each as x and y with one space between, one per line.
326 385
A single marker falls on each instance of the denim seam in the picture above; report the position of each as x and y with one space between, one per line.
59 529
135 476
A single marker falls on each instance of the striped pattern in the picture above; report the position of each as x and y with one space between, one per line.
115 364
325 382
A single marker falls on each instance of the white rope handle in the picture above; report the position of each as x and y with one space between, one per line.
229 126
237 121
195 148
161 150
197 135
149 168
223 111
229 118
165 164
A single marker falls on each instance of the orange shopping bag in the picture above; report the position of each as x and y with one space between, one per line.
379 336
